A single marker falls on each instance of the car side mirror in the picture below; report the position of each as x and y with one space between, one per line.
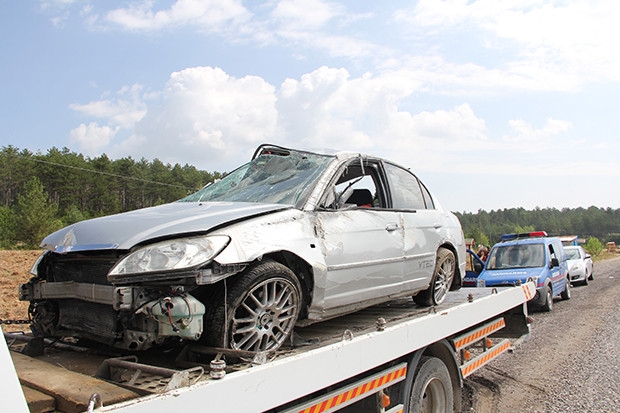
588 256
554 263
477 267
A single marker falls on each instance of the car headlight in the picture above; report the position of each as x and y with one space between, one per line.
575 267
171 255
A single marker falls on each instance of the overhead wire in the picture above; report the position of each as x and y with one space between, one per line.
106 173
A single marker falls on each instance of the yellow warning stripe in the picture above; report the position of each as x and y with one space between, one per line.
491 328
350 394
470 368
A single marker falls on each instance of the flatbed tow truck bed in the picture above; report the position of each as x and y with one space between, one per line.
379 347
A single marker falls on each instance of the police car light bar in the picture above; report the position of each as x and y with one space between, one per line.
507 237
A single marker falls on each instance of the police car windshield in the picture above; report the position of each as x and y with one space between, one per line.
516 256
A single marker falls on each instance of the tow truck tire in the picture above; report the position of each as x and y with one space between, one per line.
566 293
432 388
259 310
548 303
443 275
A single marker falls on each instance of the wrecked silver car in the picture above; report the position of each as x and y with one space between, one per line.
290 238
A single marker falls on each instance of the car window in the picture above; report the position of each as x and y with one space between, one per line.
572 254
358 184
516 256
405 188
428 200
269 178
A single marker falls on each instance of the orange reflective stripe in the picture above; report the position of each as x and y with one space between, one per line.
348 395
479 334
481 361
526 291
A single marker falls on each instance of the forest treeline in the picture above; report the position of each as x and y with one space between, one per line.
593 222
40 193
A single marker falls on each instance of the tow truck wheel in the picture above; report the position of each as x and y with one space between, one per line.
432 388
566 293
548 304
259 312
445 268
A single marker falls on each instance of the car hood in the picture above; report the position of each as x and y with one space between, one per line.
123 231
509 276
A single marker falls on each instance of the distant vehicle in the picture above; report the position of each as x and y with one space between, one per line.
474 267
518 258
290 238
580 265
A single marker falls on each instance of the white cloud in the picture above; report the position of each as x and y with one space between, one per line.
208 15
204 117
124 110
576 38
207 118
526 133
305 14
92 138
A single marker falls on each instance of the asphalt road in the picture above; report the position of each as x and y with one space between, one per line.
571 363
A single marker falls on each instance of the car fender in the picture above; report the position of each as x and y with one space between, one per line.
291 231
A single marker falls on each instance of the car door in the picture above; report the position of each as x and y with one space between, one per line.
558 274
361 239
422 225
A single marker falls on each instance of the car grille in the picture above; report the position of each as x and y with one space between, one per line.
81 267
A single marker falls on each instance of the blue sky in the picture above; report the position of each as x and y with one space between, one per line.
492 103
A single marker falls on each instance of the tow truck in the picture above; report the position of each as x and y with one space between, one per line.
389 358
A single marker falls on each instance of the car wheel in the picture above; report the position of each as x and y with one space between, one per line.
432 387
591 276
445 268
585 279
259 312
548 304
566 293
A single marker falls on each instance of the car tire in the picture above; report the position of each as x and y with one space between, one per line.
432 388
585 279
257 311
548 303
566 294
443 275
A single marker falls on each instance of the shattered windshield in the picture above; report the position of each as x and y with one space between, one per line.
283 177
517 256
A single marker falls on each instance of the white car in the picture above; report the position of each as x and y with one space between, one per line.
580 265
290 238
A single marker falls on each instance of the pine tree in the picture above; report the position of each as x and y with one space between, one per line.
35 215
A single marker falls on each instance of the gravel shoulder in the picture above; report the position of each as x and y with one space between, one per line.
571 361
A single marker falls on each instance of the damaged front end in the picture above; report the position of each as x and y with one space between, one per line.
71 296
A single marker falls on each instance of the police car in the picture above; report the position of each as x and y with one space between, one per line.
518 258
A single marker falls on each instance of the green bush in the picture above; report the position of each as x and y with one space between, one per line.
594 247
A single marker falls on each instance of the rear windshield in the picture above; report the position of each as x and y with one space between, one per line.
516 256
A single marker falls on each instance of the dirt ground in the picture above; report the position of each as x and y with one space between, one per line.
14 270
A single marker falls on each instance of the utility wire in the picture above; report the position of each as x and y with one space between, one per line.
106 173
